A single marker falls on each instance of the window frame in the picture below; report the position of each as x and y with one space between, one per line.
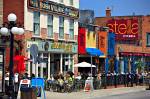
36 22
61 27
50 24
71 2
147 41
61 1
71 29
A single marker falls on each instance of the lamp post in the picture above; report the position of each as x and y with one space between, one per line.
12 29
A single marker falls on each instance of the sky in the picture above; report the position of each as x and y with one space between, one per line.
118 7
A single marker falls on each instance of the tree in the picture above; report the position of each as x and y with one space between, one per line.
139 66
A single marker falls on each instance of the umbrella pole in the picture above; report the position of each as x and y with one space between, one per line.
91 66
91 75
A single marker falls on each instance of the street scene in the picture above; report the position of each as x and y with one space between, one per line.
74 49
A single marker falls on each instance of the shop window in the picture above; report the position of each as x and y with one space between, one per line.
71 2
50 26
71 29
36 23
148 39
61 27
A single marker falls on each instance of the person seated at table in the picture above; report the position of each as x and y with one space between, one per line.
60 83
68 82
49 82
78 77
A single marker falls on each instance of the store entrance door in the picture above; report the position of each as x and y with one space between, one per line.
56 63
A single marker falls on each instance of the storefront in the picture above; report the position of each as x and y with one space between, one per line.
111 60
54 57
134 62
87 38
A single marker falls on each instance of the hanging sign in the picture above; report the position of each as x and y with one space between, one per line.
82 41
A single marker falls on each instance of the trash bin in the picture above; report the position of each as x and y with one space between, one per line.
28 93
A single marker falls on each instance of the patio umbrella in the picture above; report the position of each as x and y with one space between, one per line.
84 64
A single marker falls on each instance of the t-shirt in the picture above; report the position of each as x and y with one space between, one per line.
60 81
70 80
16 77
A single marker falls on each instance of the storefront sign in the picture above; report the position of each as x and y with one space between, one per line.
102 41
81 41
91 39
53 7
111 44
62 46
134 54
125 29
49 46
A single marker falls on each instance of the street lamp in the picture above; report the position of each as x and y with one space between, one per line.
11 29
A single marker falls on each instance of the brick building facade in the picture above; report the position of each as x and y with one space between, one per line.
46 24
132 39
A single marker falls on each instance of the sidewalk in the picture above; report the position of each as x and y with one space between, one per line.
95 93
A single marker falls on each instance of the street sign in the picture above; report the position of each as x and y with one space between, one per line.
34 52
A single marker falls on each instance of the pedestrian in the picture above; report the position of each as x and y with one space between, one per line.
7 83
99 79
32 76
16 83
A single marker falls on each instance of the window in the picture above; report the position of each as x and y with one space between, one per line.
61 27
71 29
36 24
148 39
71 2
50 26
61 1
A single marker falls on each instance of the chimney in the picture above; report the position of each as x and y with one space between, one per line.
108 12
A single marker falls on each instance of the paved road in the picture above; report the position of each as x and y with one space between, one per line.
104 93
133 95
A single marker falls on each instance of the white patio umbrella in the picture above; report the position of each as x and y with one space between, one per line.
84 64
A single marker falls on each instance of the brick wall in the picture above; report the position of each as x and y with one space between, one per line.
145 30
1 12
144 27
14 6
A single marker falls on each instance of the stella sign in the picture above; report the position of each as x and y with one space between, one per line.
124 29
